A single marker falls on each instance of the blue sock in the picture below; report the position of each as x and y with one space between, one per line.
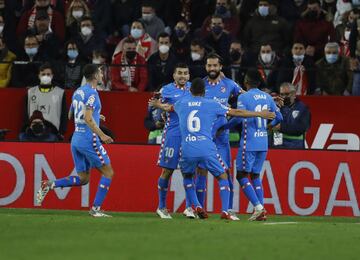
224 194
187 202
249 191
201 189
67 182
162 192
103 188
231 186
190 191
259 190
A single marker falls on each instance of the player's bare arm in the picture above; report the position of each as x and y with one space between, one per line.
153 102
266 114
89 120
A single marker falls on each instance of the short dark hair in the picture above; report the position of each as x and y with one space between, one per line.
148 4
86 18
214 55
198 42
162 35
180 65
45 66
253 78
197 86
89 71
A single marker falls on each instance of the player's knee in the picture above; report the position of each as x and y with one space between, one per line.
84 179
166 174
255 176
223 176
202 172
240 175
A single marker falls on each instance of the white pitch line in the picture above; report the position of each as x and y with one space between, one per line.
280 223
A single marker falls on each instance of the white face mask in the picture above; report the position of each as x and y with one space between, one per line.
266 57
86 31
164 49
195 56
96 61
45 80
298 58
77 14
347 35
147 17
1 28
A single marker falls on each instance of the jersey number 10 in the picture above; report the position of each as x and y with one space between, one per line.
260 108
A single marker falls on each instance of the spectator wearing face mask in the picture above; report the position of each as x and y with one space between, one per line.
145 45
123 14
347 20
227 11
37 130
299 69
25 70
161 64
88 39
313 30
132 75
48 99
76 11
6 59
197 59
7 31
344 42
267 66
181 41
333 75
27 20
153 24
68 71
266 27
290 133
239 62
49 44
217 38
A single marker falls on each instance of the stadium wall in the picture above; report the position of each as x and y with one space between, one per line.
321 183
334 126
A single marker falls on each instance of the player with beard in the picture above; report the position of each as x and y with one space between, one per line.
221 89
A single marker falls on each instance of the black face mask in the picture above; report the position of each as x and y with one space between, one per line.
287 101
38 129
312 15
130 55
235 55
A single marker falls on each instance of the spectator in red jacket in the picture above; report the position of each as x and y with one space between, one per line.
126 77
27 20
313 30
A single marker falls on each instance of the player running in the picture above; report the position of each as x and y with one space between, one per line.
197 115
171 142
253 145
86 147
221 89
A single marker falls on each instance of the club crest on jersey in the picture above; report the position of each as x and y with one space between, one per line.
223 89
91 101
295 113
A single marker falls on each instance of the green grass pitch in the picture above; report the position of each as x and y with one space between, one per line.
54 234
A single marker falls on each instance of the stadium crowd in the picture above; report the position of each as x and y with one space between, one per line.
312 44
